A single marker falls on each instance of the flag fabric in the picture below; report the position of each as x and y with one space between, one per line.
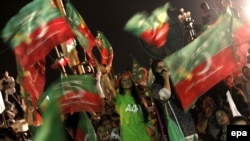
75 93
52 128
152 28
207 60
85 130
32 80
2 106
174 132
139 73
35 31
106 50
83 33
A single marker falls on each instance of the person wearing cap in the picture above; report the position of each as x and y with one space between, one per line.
131 107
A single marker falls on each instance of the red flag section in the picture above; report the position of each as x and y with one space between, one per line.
216 53
77 101
205 76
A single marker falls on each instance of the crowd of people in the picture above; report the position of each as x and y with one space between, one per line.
131 114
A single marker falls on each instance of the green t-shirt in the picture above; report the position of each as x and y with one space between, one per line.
132 127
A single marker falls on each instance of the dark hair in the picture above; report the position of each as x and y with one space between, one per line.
224 110
203 4
135 94
239 118
154 65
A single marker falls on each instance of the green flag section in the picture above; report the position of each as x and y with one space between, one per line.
152 28
174 132
75 94
83 34
207 60
85 130
106 49
52 128
35 31
139 73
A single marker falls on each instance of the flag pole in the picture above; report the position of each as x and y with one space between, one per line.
74 51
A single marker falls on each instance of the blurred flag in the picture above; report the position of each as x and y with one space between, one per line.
207 60
85 130
83 34
32 80
106 50
139 73
152 28
35 31
75 93
2 106
52 128
174 132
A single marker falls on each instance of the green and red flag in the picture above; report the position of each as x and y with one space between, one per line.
139 73
106 50
75 94
33 80
152 28
83 33
35 31
85 130
207 60
52 128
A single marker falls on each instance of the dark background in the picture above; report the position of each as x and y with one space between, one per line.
108 16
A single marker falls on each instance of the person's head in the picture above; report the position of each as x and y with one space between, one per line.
157 67
229 80
207 101
246 71
126 83
219 3
239 120
227 3
102 133
204 6
5 73
222 117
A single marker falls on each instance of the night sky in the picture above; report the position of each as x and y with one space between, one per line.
108 16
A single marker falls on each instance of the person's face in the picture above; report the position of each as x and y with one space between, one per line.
5 74
160 67
246 72
229 80
107 124
126 82
102 133
204 7
208 102
219 3
222 118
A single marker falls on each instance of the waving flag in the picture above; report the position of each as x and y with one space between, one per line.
152 28
35 31
83 34
75 93
85 130
207 60
52 128
139 73
106 49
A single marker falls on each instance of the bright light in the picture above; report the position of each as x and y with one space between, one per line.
245 13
